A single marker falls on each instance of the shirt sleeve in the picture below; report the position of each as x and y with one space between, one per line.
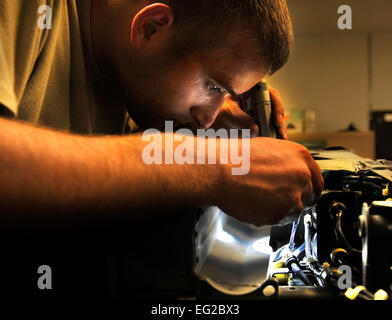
21 40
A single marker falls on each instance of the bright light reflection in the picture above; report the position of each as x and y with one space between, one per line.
223 235
262 245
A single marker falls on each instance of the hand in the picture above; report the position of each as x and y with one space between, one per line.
283 178
233 116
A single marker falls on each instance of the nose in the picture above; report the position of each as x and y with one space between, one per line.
204 116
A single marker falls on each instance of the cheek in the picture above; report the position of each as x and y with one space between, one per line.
189 92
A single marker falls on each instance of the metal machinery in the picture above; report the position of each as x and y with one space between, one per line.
338 248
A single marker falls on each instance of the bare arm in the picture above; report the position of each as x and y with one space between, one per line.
45 173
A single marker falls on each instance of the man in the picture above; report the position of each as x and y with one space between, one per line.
75 76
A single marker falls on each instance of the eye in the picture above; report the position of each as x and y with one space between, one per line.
214 88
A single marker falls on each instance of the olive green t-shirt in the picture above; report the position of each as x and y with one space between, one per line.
48 72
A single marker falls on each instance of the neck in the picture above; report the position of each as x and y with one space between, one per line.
99 35
110 32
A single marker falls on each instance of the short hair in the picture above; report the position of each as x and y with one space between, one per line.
270 19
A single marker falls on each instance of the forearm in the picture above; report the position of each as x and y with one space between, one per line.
44 172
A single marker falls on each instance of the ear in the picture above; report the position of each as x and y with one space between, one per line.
150 22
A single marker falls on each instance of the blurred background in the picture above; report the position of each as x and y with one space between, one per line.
340 80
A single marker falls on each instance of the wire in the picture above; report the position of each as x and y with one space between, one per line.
295 268
308 236
293 232
314 268
341 233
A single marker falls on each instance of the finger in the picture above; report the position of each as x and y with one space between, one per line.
278 114
281 133
308 195
277 107
317 180
297 209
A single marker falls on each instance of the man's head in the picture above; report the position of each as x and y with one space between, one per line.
179 59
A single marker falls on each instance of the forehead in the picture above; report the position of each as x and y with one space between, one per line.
235 59
239 73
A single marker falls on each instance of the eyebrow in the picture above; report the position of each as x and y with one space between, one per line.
225 86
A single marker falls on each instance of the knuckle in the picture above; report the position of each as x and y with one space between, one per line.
304 176
322 183
299 204
254 130
305 154
296 200
296 208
